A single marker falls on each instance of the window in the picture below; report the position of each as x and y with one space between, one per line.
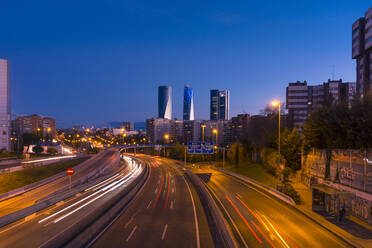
3 140
3 118
355 30
369 39
355 40
4 132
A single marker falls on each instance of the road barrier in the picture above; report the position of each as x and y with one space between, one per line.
222 236
81 233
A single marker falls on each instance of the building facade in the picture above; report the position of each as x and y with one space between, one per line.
302 99
4 105
362 53
239 127
165 102
128 125
44 127
219 105
188 103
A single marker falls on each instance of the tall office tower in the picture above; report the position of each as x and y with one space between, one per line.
220 105
4 105
188 103
165 102
362 52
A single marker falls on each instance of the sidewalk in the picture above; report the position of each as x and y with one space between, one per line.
352 229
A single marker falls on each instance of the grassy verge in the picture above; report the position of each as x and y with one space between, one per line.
17 179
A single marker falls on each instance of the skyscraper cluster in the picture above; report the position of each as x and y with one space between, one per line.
219 103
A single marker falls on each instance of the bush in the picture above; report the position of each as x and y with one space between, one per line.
290 191
37 149
52 150
286 173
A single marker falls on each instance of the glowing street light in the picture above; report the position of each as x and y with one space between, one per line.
203 126
275 104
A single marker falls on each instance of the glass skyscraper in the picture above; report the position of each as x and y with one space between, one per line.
165 102
220 105
188 103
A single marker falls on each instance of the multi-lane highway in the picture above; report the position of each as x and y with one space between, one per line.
167 213
259 220
39 228
30 197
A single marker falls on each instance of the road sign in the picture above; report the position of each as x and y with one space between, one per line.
200 148
70 171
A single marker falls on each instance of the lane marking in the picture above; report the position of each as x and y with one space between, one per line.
130 220
149 204
164 231
172 190
228 215
195 215
262 233
171 206
245 221
131 234
166 201
285 243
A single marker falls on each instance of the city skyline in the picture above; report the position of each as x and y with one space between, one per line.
201 58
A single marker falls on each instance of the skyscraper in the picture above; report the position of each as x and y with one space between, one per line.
165 102
188 103
4 105
362 52
220 105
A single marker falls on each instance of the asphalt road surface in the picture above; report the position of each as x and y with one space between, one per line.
166 213
259 220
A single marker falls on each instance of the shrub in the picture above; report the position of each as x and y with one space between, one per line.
37 149
290 191
52 150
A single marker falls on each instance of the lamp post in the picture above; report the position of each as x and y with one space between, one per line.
166 137
277 104
215 131
203 126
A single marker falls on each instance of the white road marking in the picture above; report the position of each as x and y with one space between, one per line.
171 206
131 234
149 204
130 220
164 231
239 195
172 190
156 191
195 215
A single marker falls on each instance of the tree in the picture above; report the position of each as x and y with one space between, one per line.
52 150
29 138
291 149
37 149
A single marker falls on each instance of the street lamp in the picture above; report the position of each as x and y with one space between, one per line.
166 137
277 104
216 132
203 126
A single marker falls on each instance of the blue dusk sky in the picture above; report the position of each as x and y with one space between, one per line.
90 62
